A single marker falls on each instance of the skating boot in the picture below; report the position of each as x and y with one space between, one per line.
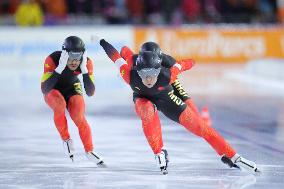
241 163
229 162
92 156
162 161
68 145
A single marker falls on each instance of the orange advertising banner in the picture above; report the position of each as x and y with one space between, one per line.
226 45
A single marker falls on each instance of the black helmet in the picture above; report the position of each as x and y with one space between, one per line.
151 46
148 59
73 44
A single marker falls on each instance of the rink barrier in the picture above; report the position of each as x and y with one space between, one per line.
236 44
30 46
216 44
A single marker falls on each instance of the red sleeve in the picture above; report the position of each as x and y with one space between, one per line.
49 65
126 52
186 64
90 66
48 70
49 77
175 71
124 69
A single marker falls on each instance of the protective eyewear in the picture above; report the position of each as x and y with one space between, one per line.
75 55
149 72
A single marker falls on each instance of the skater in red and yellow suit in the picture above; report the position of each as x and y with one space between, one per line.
151 83
62 90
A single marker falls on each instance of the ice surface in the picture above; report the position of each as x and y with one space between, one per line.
32 156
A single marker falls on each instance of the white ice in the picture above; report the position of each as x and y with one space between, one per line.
32 155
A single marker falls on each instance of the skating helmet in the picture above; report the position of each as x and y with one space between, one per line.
151 46
74 46
148 64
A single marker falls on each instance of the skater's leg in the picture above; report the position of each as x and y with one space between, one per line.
197 126
192 105
183 114
204 113
145 109
76 108
57 103
183 95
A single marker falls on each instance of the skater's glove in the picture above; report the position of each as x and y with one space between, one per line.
83 65
62 62
102 42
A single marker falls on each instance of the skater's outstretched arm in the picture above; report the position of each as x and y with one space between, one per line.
114 55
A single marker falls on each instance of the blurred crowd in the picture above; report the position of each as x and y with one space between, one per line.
138 12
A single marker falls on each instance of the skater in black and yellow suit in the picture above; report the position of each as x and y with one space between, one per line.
168 62
151 84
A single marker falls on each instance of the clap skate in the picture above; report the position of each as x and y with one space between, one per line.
92 156
238 161
68 145
162 161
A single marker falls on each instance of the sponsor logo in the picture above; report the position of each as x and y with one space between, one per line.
179 88
175 99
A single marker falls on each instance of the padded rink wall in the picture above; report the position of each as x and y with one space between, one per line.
30 46
226 44
23 50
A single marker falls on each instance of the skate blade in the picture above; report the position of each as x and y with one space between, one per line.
102 164
237 167
164 172
257 171
72 158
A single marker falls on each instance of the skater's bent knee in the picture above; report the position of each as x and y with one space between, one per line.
56 101
144 108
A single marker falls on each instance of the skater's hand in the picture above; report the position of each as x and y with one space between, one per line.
83 65
62 62
102 42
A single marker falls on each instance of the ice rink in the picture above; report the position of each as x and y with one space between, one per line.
248 115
